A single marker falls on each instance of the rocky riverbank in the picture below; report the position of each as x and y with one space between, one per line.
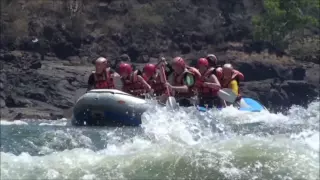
45 91
47 49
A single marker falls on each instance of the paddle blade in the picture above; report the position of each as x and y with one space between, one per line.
171 103
227 95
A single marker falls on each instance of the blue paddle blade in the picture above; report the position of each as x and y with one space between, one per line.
202 109
248 104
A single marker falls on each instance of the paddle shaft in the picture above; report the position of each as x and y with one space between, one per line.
165 79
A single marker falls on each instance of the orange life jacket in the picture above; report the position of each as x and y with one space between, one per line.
179 81
103 82
132 86
206 91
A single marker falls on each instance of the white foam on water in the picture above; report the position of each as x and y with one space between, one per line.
185 144
16 122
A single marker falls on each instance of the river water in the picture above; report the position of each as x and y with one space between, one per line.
187 144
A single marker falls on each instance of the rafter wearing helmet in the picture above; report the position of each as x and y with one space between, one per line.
207 85
182 84
133 82
155 79
103 76
230 78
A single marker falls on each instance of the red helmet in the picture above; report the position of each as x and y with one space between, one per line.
149 69
203 62
125 68
179 62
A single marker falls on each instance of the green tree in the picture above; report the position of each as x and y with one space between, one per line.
282 18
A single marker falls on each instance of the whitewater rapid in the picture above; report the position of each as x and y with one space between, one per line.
187 144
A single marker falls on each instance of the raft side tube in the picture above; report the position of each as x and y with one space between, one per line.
108 107
246 104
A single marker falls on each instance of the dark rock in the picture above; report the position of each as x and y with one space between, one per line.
74 60
256 71
277 95
185 48
259 46
143 59
35 65
37 94
300 92
8 57
197 46
18 116
16 101
298 73
134 52
56 116
88 39
313 75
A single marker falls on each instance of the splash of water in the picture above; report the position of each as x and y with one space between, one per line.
226 144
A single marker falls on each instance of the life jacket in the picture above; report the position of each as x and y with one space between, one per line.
103 82
206 91
132 86
179 81
156 84
236 75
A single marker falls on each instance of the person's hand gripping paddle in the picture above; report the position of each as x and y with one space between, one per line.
171 101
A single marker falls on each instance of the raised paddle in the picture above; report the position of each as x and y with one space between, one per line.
171 101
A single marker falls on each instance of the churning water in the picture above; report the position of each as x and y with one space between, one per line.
187 144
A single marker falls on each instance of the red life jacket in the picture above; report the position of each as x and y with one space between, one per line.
179 81
156 84
206 91
236 75
132 86
103 82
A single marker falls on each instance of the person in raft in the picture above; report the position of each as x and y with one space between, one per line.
208 85
154 76
231 78
103 77
133 82
182 82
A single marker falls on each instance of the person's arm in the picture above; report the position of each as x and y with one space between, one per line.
189 81
90 82
116 80
145 84
234 86
213 82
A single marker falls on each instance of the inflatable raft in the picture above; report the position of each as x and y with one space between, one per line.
246 104
108 107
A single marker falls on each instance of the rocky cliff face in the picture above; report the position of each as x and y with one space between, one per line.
47 48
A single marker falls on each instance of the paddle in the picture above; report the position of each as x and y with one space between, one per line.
227 94
171 101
